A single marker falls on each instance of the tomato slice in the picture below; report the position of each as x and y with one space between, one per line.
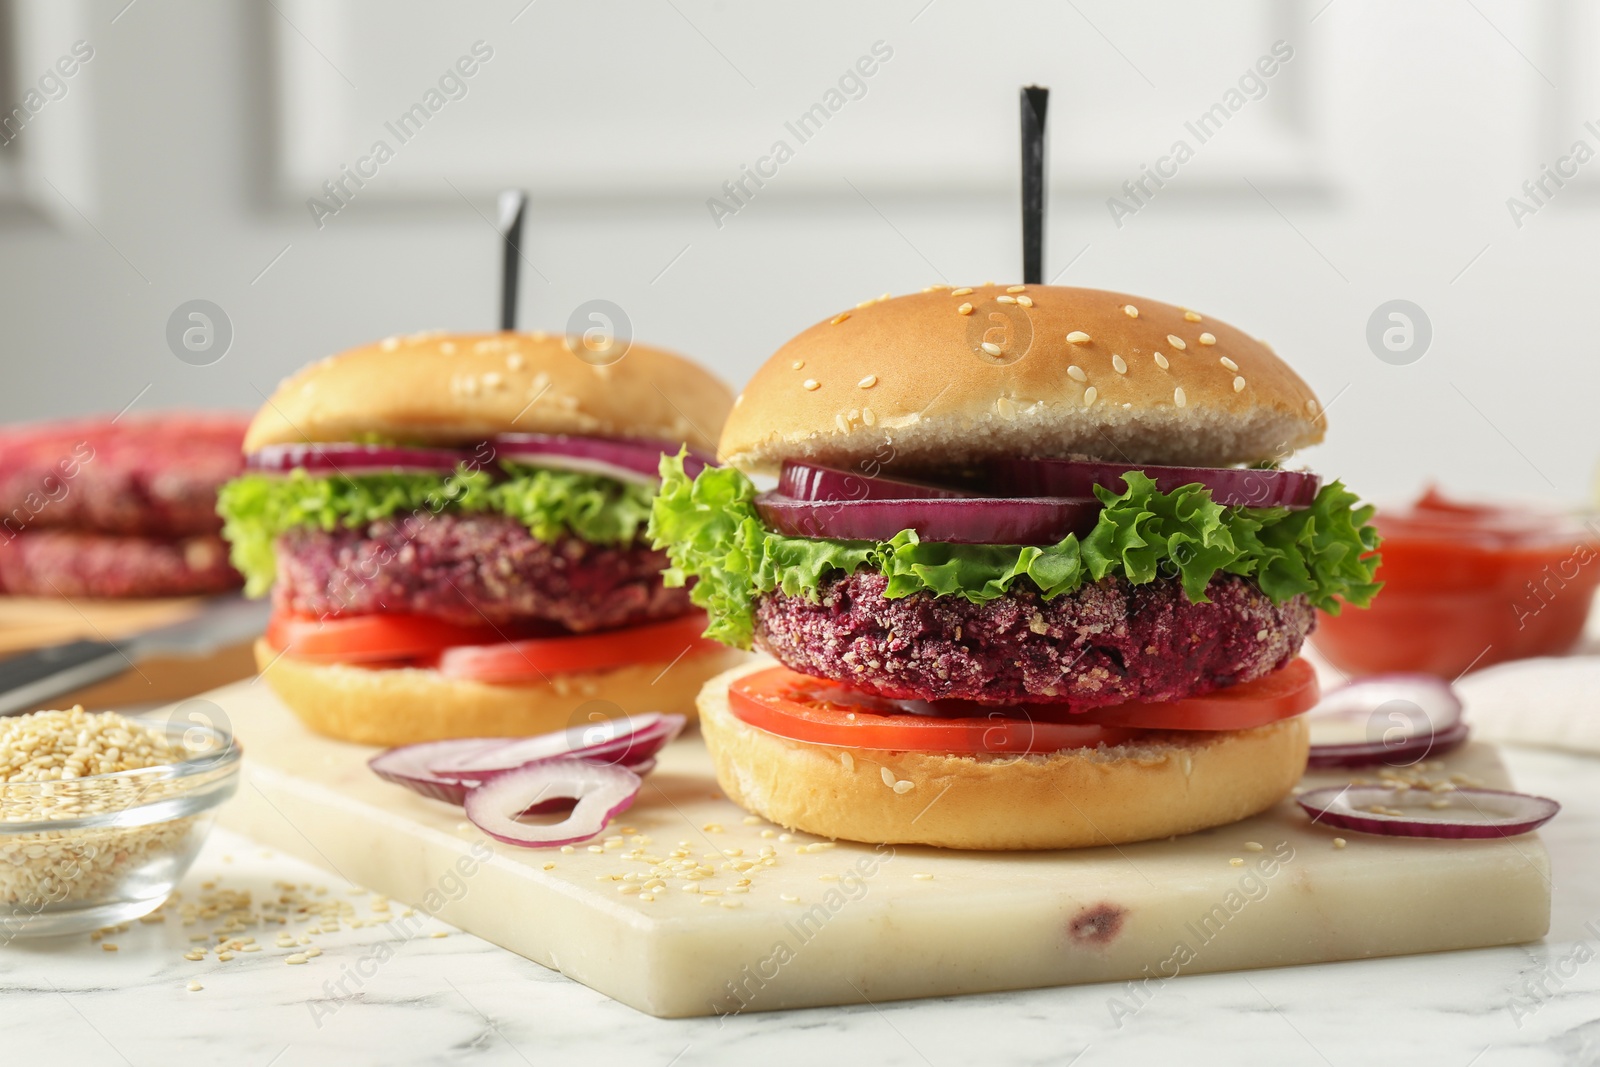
367 638
821 712
511 662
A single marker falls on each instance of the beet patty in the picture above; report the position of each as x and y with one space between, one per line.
1107 643
470 568
54 563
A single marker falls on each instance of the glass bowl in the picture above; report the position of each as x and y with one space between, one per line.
83 853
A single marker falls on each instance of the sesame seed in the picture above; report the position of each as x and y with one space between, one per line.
923 877
868 382
1339 842
295 958
194 987
848 761
888 776
1090 395
811 385
108 947
903 786
1238 385
1075 372
868 417
1077 337
1207 339
1005 407
1015 288
1003 299
1191 316
842 421
1311 406
1178 397
1119 364
963 291
882 297
440 933
1161 361
964 309
1252 846
865 304
991 348
1130 311
1025 301
1176 342
1230 364
797 364
1236 862
837 319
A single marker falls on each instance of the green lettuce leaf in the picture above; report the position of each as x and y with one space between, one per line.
256 508
712 532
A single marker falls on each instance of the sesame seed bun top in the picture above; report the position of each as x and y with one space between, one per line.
445 389
948 376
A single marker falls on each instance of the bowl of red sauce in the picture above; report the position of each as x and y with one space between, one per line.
1467 585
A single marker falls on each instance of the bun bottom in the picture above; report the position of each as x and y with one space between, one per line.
401 706
1172 783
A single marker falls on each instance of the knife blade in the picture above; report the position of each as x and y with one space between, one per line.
29 679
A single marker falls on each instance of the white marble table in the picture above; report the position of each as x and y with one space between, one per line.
456 999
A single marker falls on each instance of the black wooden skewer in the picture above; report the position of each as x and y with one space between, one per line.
513 202
1035 99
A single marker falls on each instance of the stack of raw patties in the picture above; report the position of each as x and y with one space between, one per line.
117 508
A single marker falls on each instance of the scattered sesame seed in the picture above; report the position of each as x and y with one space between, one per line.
1130 311
865 304
1015 288
811 385
1207 339
108 947
788 898
1238 385
1236 862
868 417
842 421
1252 846
964 309
1179 398
904 786
882 297
194 987
797 364
1311 406
1090 395
1176 342
837 319
991 348
568 848
1119 364
549 866
752 820
194 956
963 291
440 933
1003 299
1075 372
1025 301
888 776
923 877
1339 842
1077 337
1191 316
1230 364
1161 361
711 828
868 382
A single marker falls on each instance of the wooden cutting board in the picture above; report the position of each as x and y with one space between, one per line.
839 924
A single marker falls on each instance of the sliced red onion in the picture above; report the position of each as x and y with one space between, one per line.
602 793
807 481
625 741
634 461
959 520
335 458
408 766
1460 813
1395 719
1230 486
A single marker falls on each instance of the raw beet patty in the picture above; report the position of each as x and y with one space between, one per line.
1108 643
472 568
153 475
66 563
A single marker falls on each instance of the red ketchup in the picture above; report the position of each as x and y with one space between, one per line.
1467 585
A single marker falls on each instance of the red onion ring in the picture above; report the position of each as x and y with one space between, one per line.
624 741
958 520
808 481
1405 718
1230 486
628 460
602 793
337 458
1409 812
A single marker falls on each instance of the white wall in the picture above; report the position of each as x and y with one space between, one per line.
1376 166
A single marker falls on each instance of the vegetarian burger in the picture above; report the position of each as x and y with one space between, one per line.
1032 573
452 529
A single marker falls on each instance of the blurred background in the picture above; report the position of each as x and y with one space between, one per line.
1431 153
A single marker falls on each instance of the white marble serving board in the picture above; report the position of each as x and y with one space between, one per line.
847 923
